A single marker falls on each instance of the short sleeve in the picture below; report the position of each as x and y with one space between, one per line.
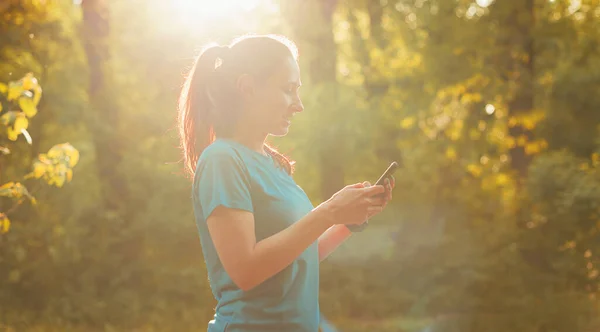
223 180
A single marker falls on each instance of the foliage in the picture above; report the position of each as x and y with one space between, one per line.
19 105
489 105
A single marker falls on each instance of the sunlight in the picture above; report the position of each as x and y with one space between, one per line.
190 10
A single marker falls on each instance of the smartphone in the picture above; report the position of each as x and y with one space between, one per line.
388 172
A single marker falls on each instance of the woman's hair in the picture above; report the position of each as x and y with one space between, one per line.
209 101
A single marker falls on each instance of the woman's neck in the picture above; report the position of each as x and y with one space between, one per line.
252 140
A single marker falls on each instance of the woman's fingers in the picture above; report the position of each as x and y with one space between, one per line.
373 210
375 201
373 190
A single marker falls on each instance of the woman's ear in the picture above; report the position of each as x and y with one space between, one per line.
246 86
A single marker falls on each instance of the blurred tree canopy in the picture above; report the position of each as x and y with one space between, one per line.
490 106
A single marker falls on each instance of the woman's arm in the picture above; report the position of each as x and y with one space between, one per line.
331 239
335 235
249 263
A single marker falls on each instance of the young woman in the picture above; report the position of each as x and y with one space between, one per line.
261 237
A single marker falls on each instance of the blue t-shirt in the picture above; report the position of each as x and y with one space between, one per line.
235 176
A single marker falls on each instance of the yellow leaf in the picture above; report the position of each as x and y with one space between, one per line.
12 134
21 122
475 170
451 153
69 175
4 223
502 179
521 140
58 180
510 142
529 123
39 169
408 122
534 147
37 94
29 81
14 91
27 106
54 152
73 157
3 88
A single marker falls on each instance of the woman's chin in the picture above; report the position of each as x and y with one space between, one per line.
280 132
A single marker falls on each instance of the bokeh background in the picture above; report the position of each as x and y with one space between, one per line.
491 106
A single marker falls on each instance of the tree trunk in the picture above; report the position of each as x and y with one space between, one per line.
523 101
103 118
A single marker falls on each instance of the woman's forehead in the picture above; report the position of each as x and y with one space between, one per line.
287 71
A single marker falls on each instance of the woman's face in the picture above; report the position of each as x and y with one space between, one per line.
275 102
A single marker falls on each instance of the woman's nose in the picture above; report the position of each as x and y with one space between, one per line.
298 106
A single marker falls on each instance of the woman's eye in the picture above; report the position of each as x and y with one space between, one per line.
291 88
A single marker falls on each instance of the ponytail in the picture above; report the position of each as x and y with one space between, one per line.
196 125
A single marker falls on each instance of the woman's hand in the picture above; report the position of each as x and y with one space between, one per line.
389 185
355 203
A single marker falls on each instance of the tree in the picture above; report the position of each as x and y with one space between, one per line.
18 106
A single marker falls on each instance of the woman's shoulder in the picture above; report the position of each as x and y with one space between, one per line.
220 151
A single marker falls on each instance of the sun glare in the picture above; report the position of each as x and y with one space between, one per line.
207 9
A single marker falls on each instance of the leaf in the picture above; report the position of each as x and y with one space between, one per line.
451 153
14 91
12 134
29 81
502 179
21 122
58 180
4 223
4 150
8 118
407 122
14 190
27 106
39 168
475 170
3 88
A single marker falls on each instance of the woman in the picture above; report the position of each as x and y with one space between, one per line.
262 239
